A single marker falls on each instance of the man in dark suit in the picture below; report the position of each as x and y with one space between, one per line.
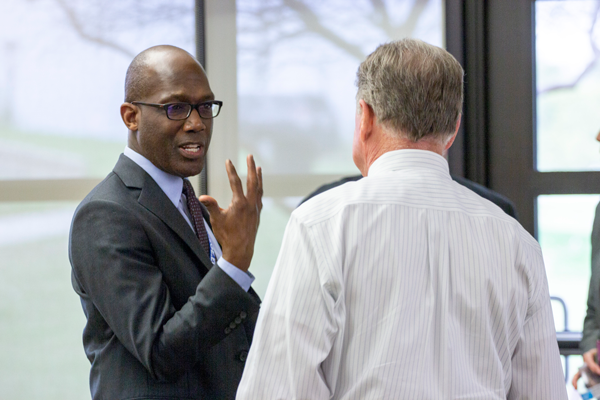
170 312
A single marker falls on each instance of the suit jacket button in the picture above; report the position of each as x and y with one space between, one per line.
238 320
243 315
243 356
227 330
232 325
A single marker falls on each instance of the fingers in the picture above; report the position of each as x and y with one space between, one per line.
260 188
589 357
575 379
251 179
234 180
210 203
254 182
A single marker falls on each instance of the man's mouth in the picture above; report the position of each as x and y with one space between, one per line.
192 149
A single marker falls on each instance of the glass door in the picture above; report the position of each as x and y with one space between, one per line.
543 82
293 105
62 70
567 86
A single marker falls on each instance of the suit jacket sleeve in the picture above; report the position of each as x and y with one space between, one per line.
115 266
591 325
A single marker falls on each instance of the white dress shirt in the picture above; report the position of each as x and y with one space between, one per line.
405 285
172 186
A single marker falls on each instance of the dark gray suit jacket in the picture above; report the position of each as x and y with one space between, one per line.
162 323
591 324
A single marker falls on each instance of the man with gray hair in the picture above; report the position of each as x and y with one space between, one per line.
405 284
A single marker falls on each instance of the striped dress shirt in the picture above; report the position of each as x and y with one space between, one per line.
405 285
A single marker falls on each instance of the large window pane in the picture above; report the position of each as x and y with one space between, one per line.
42 321
273 220
62 70
296 68
568 84
61 79
564 229
297 62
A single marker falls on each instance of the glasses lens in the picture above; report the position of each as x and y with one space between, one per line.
208 110
216 107
178 110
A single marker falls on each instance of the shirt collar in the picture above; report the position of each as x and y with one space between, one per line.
170 184
409 158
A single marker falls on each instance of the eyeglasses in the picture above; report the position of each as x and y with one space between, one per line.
179 111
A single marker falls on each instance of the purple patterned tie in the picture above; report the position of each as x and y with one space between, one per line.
196 212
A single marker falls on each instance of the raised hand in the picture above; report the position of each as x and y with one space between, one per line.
235 227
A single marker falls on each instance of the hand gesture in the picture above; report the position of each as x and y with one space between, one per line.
589 357
235 227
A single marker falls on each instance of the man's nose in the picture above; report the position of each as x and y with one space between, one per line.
194 122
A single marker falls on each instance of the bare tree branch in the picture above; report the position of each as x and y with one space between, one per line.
313 24
380 11
408 28
76 24
572 84
589 67
591 31
379 17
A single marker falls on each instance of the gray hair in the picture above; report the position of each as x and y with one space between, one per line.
414 88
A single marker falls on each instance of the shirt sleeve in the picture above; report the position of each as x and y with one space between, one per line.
244 279
296 329
536 367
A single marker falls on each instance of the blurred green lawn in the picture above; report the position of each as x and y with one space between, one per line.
41 320
97 156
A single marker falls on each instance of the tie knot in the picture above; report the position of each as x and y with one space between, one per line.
188 189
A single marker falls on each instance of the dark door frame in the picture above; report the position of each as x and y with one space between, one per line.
201 56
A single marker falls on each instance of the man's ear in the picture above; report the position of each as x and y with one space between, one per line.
451 140
367 120
130 116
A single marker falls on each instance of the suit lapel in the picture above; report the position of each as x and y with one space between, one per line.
156 201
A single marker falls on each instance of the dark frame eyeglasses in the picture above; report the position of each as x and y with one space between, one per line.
179 111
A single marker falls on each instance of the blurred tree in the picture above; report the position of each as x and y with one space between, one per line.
104 22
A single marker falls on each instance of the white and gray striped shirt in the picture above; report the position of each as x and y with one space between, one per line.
405 285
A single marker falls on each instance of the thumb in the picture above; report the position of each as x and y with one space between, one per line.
210 203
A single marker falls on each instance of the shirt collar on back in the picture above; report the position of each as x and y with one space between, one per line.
409 158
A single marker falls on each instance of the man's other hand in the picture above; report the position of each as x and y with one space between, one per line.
235 227
589 357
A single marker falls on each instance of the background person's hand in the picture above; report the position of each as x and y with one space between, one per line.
235 227
575 379
589 358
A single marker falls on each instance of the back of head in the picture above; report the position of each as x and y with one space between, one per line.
414 88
